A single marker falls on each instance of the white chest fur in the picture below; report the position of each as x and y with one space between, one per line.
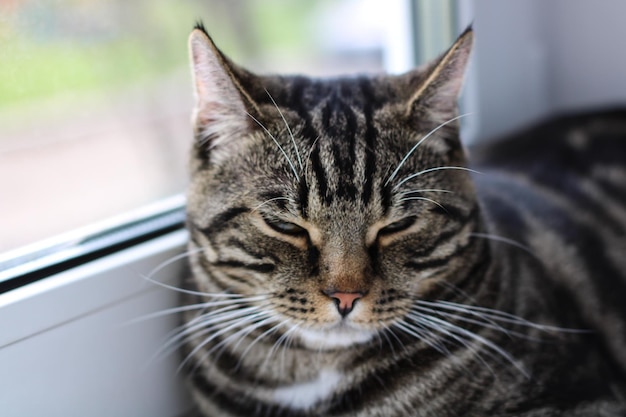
306 394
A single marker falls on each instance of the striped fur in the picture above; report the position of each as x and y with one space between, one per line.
493 293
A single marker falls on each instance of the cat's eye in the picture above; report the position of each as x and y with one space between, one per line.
397 226
286 228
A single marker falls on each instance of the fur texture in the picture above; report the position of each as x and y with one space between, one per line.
348 260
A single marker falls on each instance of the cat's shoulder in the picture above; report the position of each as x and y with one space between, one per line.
568 142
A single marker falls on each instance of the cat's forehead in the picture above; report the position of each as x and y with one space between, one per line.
327 148
302 94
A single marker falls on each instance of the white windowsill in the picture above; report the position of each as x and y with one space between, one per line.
69 346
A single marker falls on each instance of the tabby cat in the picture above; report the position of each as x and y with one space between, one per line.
347 259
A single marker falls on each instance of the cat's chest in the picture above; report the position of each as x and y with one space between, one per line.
306 394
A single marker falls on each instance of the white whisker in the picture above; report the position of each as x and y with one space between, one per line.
430 200
308 156
205 305
270 200
211 317
225 313
241 335
182 335
380 343
456 290
426 190
150 276
429 134
287 345
201 325
503 239
266 333
166 312
235 324
184 291
171 260
446 326
293 168
282 339
498 315
426 171
419 333
389 341
487 323
293 140
451 336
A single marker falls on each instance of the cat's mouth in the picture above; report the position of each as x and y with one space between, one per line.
341 334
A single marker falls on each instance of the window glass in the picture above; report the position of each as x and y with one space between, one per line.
95 95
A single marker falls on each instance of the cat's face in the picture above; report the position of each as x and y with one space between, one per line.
329 204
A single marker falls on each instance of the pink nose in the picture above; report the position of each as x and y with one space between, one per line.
345 300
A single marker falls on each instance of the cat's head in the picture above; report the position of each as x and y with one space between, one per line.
332 204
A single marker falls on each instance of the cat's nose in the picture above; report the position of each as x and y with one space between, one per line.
344 300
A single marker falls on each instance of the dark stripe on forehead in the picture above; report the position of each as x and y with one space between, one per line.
320 176
298 102
303 197
340 125
370 139
337 107
301 100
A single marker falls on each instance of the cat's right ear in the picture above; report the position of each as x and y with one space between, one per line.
222 108
439 90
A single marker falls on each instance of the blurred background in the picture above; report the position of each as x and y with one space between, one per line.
95 95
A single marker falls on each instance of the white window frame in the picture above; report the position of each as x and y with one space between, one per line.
71 343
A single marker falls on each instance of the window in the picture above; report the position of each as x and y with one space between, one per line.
95 99
95 95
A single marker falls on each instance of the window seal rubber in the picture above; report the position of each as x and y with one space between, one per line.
33 263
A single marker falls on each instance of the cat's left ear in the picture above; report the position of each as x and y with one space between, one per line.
438 93
223 106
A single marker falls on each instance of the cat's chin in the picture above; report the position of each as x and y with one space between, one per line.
339 336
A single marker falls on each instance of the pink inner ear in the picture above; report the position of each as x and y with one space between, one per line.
442 86
220 114
212 80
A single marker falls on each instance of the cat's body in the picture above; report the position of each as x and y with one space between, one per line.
344 271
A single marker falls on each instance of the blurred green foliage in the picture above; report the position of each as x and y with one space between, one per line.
56 46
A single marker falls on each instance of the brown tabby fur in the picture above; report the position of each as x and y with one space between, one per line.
499 293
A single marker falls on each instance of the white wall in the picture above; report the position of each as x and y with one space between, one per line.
588 65
534 58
